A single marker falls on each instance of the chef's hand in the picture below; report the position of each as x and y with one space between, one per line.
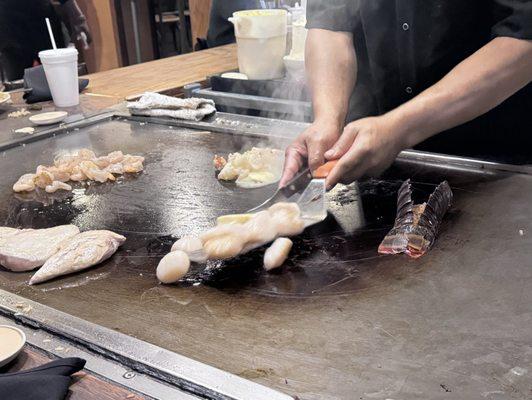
367 147
76 21
310 146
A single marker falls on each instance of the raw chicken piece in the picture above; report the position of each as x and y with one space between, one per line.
192 246
27 249
79 252
5 232
25 183
57 185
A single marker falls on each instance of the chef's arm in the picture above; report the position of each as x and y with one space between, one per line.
331 73
331 70
475 86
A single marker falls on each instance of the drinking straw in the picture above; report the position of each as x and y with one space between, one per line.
51 33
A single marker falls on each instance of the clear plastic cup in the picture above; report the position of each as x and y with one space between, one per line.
61 68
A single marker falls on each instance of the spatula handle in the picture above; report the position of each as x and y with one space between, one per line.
323 171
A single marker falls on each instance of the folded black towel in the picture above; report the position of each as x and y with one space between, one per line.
35 79
47 382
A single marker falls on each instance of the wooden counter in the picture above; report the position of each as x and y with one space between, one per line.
162 75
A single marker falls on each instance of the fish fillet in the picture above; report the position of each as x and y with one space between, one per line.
27 249
79 252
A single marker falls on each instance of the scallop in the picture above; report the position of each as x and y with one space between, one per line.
224 247
288 226
193 246
277 253
261 228
290 210
173 267
221 231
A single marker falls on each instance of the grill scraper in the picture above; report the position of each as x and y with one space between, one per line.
308 191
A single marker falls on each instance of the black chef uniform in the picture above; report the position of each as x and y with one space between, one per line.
221 31
23 34
405 46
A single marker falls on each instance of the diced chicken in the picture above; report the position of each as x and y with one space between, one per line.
78 253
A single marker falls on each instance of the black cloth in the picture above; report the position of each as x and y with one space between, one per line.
406 46
35 79
47 382
23 34
221 31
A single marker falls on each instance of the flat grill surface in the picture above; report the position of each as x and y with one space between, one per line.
338 321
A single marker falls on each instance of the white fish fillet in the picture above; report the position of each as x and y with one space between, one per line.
27 249
79 252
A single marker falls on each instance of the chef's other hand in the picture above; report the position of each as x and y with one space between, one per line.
367 147
310 146
76 21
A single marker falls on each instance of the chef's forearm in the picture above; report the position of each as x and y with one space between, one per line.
475 86
331 69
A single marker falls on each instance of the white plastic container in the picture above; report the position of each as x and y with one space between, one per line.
261 42
61 69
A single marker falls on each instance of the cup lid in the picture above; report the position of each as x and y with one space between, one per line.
59 53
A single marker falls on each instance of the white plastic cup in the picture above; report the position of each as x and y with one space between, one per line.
261 42
61 69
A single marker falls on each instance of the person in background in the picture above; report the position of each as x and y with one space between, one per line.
448 76
23 32
221 31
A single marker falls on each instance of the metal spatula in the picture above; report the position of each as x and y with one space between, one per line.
307 191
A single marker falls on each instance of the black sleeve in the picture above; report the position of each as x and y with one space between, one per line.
332 15
513 18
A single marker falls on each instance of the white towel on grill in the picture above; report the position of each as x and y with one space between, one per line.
157 105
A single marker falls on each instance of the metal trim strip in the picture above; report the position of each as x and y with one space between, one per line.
187 374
